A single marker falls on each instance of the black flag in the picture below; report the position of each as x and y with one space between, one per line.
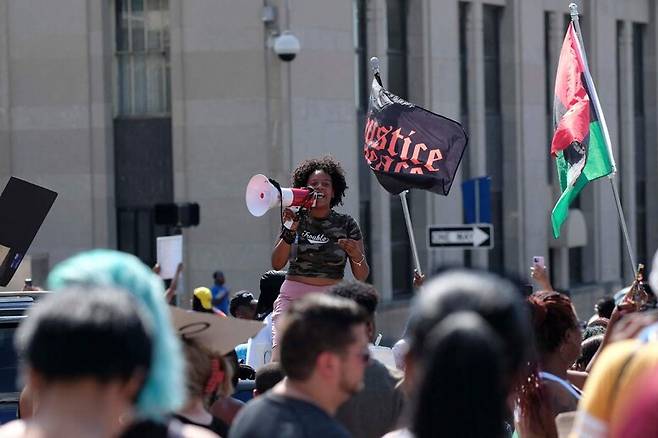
409 147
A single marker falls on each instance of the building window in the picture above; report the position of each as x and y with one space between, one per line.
142 57
401 260
493 128
396 27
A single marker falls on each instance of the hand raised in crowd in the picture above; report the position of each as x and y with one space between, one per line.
173 286
633 321
289 215
352 248
540 275
632 325
419 279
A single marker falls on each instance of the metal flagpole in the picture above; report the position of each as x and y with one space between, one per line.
410 231
573 8
374 64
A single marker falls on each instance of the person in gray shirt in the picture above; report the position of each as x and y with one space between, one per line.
324 352
376 409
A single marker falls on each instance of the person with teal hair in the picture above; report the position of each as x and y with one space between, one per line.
163 390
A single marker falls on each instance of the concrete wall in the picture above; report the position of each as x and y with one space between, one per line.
55 116
238 110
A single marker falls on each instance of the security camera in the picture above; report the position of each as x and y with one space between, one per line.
286 46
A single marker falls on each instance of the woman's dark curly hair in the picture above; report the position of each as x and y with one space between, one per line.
331 167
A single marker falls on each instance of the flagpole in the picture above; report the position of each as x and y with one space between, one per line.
374 64
410 231
573 9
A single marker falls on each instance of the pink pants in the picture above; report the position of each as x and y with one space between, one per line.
290 291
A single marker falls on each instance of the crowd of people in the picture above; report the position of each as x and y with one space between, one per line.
104 355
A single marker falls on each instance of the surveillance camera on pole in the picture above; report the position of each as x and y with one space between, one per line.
286 46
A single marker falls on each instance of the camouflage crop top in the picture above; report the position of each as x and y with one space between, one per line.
316 252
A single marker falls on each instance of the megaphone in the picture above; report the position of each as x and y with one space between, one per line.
261 195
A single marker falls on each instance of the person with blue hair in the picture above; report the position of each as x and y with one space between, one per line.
163 390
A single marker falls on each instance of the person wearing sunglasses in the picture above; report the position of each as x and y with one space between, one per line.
376 410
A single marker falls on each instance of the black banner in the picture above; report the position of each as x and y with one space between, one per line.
409 147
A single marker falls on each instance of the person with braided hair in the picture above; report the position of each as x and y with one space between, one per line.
548 391
320 240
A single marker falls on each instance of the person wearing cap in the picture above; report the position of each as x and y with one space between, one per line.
243 305
202 301
270 288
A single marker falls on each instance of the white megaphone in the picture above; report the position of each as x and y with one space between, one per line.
261 195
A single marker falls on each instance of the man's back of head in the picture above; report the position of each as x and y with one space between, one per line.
78 334
364 295
267 377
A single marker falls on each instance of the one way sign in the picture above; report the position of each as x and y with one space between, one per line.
475 236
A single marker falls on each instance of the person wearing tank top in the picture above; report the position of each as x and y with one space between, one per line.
548 391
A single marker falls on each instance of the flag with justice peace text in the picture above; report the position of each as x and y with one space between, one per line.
409 147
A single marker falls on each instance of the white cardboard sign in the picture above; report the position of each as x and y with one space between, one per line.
170 254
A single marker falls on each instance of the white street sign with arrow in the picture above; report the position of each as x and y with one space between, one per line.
470 236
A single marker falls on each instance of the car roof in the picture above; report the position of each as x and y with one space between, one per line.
13 305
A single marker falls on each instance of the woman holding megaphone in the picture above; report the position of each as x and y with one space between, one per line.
320 241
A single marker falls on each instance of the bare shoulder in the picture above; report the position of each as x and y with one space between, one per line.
13 429
190 431
561 400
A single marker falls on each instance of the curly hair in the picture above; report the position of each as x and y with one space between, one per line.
331 167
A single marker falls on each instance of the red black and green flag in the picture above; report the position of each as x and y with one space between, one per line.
579 147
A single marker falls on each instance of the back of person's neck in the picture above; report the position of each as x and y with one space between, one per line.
81 409
310 391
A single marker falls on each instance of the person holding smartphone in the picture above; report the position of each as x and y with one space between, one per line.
539 273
